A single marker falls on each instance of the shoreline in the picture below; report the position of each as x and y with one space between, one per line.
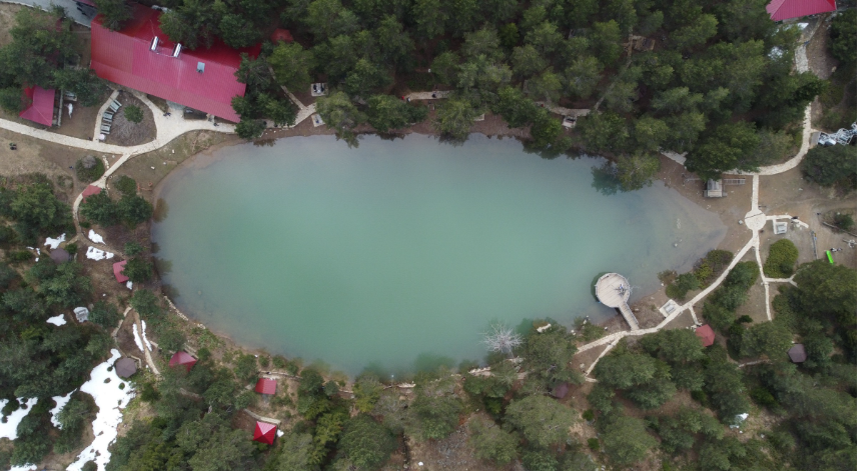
613 323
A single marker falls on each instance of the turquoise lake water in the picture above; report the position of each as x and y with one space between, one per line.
408 249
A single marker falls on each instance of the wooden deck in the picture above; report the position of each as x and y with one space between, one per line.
613 290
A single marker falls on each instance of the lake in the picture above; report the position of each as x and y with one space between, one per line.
398 252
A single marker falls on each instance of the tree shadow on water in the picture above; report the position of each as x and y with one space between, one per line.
162 209
604 179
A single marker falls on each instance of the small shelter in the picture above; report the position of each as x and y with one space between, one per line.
81 314
41 105
560 390
787 9
182 358
59 255
89 191
797 353
714 189
119 271
706 334
125 367
265 433
266 386
282 35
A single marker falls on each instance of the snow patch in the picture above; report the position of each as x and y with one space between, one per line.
137 338
54 243
97 254
146 340
10 428
280 433
93 236
129 284
57 320
31 467
61 402
110 401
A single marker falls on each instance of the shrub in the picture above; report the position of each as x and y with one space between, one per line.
138 270
593 444
782 257
126 185
844 221
279 361
89 169
132 248
133 114
104 314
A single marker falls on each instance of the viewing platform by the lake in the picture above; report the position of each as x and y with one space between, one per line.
613 290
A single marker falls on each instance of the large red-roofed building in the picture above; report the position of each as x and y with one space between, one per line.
41 105
203 79
786 9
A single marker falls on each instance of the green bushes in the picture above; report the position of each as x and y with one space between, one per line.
130 209
89 169
707 269
782 257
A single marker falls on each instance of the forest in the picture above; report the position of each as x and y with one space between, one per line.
716 80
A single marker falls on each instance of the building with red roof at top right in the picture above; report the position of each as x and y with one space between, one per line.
787 9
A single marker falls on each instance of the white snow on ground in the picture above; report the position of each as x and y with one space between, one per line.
97 254
10 428
59 319
54 243
93 236
110 401
129 285
146 340
61 402
137 338
31 467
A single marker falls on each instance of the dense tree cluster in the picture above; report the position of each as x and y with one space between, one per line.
699 90
44 51
37 359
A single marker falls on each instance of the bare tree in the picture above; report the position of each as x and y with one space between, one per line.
501 338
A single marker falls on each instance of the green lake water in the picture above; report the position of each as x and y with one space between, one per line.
401 251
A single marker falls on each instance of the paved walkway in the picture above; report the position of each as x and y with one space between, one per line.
83 17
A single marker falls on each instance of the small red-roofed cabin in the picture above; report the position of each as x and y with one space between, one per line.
787 9
41 105
89 191
265 433
266 386
282 35
119 271
142 57
182 358
706 334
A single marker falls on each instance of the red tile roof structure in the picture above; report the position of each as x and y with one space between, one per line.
182 358
282 35
706 334
41 107
265 433
89 191
203 79
266 386
785 9
118 271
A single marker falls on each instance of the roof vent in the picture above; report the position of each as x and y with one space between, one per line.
177 50
200 67
154 45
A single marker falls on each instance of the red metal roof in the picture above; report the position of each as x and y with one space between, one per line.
124 57
118 269
265 433
784 9
182 358
706 334
266 386
41 108
89 191
282 35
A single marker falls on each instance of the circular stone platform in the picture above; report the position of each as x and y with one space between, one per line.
613 290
